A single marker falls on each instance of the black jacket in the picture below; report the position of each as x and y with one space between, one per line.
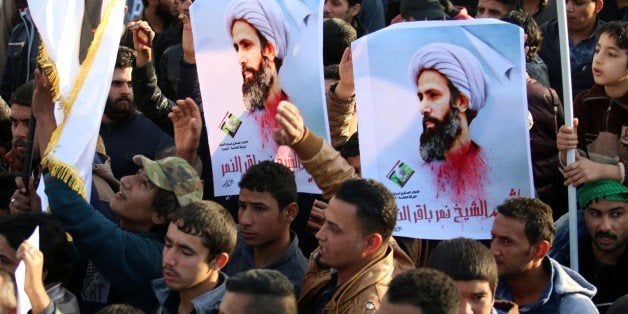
21 56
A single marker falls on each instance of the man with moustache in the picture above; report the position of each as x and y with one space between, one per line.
602 251
260 39
20 116
200 238
125 131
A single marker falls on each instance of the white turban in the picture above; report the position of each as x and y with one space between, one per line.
265 16
458 65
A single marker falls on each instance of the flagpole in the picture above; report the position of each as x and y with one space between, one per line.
568 107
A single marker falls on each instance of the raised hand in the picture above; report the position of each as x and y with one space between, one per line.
291 127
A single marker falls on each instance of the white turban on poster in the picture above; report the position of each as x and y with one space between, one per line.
459 65
265 16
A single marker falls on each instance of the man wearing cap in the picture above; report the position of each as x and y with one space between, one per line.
128 255
603 258
260 39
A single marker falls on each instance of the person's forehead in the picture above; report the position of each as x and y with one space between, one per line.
508 226
432 76
250 196
341 213
492 3
607 205
181 238
19 111
122 73
242 27
473 286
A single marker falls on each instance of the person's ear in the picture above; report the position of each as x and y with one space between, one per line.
355 9
269 51
541 249
157 219
220 261
599 4
462 102
373 243
290 212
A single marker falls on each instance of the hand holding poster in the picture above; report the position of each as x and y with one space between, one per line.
251 55
443 123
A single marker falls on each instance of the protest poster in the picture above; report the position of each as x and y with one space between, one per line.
243 77
442 118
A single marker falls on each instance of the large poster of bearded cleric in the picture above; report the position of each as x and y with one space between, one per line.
442 119
250 55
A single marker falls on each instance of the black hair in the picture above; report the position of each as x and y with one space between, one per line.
534 214
210 221
125 58
23 95
269 290
465 259
530 28
274 178
337 35
427 289
376 205
53 242
352 147
119 309
618 30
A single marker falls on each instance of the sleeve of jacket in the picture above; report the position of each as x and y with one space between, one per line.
342 120
323 163
149 99
126 259
188 83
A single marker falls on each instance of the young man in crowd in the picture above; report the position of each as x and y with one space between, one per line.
522 234
200 238
259 291
267 207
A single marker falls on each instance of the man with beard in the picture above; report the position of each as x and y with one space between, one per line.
20 116
260 40
159 14
451 90
602 250
124 131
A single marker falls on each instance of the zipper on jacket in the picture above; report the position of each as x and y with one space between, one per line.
608 113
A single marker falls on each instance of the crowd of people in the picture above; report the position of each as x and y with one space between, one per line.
154 238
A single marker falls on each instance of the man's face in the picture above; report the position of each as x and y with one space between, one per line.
261 220
120 105
510 246
607 223
20 116
234 303
340 9
391 308
610 62
441 124
184 260
134 201
8 261
581 14
475 296
167 9
340 238
491 9
255 59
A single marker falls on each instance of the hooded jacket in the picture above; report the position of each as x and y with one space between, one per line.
566 292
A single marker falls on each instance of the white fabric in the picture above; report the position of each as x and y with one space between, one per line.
58 22
459 65
265 16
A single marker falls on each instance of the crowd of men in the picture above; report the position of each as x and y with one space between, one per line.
153 237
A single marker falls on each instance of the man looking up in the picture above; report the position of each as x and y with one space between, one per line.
259 291
200 237
267 207
260 39
522 233
353 264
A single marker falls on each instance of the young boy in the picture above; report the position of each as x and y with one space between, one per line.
600 130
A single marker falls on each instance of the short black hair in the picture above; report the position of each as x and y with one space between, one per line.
125 58
534 214
465 259
617 30
530 28
376 205
119 308
511 5
354 2
427 289
337 35
23 95
270 291
53 242
210 221
274 178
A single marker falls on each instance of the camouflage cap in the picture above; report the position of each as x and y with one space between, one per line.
173 174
